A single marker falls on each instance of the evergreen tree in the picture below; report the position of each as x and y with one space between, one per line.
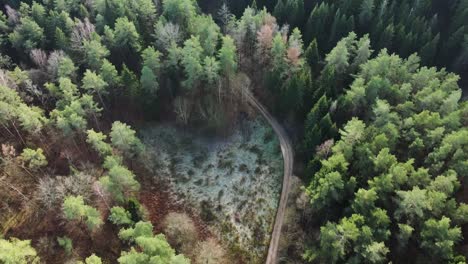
17 251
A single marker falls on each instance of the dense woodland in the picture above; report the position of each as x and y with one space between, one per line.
369 90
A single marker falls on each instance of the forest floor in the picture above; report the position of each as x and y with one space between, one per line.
234 182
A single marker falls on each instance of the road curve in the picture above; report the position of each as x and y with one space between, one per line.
288 157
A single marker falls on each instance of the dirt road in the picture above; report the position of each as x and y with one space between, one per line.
288 157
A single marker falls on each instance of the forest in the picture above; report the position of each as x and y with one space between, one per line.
234 131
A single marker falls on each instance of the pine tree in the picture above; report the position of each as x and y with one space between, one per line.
17 251
312 56
428 51
280 11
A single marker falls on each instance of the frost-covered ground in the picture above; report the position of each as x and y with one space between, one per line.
235 182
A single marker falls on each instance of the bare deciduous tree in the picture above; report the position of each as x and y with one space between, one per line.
5 80
167 34
182 108
293 55
225 16
54 61
264 41
82 31
52 191
324 150
13 16
39 57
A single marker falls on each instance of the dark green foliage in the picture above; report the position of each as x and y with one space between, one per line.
436 30
312 56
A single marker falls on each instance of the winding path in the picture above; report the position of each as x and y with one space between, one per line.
288 157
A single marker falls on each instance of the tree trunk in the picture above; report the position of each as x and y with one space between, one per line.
6 128
16 129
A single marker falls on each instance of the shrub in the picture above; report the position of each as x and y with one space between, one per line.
34 159
74 208
209 252
52 191
66 243
180 231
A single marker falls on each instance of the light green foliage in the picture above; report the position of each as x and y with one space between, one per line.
112 161
439 237
32 119
133 257
93 259
376 252
174 56
353 131
97 141
328 186
66 243
66 68
74 208
150 71
93 83
384 160
12 108
71 113
207 31
364 201
179 11
149 81
27 35
120 182
120 216
227 56
412 204
404 234
109 73
123 138
126 35
446 184
155 249
453 151
15 251
95 52
192 62
461 214
278 53
211 69
348 54
67 90
338 57
141 229
151 59
336 240
33 159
